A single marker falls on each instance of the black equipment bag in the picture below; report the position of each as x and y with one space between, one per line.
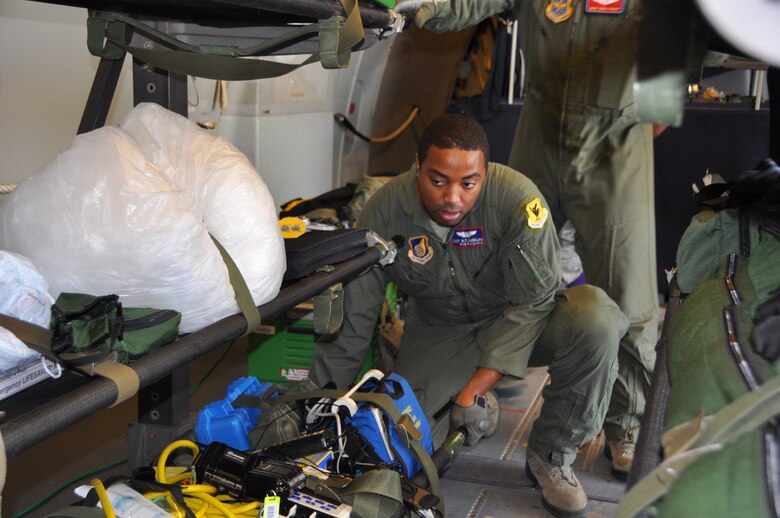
316 248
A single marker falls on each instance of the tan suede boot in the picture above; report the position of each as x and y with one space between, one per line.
621 453
562 494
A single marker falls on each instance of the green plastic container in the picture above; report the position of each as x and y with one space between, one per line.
285 356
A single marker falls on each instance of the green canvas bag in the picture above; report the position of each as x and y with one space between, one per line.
712 362
88 329
722 435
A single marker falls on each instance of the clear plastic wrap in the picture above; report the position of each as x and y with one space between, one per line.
129 210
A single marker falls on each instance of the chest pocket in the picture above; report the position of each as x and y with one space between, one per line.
526 273
413 279
612 47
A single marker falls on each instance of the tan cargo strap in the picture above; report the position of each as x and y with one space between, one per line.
689 441
337 35
39 339
125 378
241 290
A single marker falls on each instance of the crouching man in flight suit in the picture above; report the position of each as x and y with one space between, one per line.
480 268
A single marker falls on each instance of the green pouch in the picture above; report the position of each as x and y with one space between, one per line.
99 326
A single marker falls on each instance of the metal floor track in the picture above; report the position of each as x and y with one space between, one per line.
488 480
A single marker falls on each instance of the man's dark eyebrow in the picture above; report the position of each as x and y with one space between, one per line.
442 175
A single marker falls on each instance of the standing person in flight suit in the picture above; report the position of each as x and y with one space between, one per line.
579 140
480 268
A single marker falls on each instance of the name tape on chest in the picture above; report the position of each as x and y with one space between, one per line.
468 237
605 6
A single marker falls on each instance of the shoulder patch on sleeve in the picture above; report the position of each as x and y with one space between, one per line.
537 214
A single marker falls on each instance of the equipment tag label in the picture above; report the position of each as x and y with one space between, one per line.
294 374
469 237
420 251
605 6
271 506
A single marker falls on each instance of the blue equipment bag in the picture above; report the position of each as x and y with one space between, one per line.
390 442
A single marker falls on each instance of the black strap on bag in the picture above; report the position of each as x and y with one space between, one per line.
106 38
648 449
105 312
91 362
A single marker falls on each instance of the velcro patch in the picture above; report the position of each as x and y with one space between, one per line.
537 214
469 237
605 6
420 251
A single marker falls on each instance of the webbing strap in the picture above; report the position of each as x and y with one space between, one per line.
699 437
77 511
36 337
213 67
39 339
370 492
329 310
223 62
241 290
384 402
335 45
126 379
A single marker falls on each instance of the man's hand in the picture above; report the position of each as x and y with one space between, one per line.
422 10
478 420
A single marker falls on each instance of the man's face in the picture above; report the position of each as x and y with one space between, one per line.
449 182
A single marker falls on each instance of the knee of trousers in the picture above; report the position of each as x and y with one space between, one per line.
596 320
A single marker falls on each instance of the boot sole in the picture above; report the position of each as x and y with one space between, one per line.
561 513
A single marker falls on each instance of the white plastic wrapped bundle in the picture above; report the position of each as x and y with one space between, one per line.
128 210
24 294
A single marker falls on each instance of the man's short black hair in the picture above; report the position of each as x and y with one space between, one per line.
454 132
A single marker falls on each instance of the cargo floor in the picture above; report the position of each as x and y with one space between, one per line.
489 480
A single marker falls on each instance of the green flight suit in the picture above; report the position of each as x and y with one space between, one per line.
484 295
579 140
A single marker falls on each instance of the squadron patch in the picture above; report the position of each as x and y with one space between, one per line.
558 11
605 6
420 251
537 214
469 237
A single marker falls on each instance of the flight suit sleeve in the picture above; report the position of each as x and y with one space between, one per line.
530 264
454 15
